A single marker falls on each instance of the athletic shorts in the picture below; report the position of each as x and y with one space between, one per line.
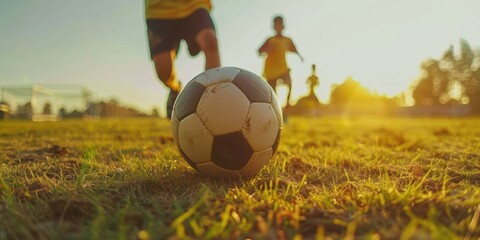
165 35
285 79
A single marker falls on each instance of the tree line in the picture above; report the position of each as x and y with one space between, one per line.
454 78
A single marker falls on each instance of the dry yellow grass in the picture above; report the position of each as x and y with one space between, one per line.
372 178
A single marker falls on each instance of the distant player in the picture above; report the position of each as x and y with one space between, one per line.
313 80
168 23
275 48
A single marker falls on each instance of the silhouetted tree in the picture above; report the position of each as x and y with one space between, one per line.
155 112
24 111
347 92
350 96
47 108
466 72
441 77
433 85
62 112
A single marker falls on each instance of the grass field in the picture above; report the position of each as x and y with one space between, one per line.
373 178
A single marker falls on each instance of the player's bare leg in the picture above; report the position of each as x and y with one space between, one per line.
273 84
207 40
165 68
288 81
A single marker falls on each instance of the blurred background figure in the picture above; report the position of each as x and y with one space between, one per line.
275 48
313 81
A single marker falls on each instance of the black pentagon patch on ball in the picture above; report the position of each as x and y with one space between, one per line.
189 161
188 99
231 151
255 88
277 141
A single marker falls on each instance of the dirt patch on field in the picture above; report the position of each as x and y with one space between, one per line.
383 137
442 132
164 139
71 210
388 138
297 164
316 144
40 154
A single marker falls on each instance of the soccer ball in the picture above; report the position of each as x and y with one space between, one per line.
226 123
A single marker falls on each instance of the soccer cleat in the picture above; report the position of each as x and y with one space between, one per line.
172 96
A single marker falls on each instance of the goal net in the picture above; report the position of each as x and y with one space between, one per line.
44 102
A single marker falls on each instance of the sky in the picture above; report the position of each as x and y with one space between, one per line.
102 44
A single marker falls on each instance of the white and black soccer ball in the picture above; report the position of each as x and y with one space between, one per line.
227 123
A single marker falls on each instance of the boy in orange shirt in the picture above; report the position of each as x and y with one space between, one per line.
275 48
168 23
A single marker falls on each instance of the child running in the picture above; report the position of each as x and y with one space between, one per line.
168 23
275 48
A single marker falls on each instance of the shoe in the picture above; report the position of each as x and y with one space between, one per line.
172 96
